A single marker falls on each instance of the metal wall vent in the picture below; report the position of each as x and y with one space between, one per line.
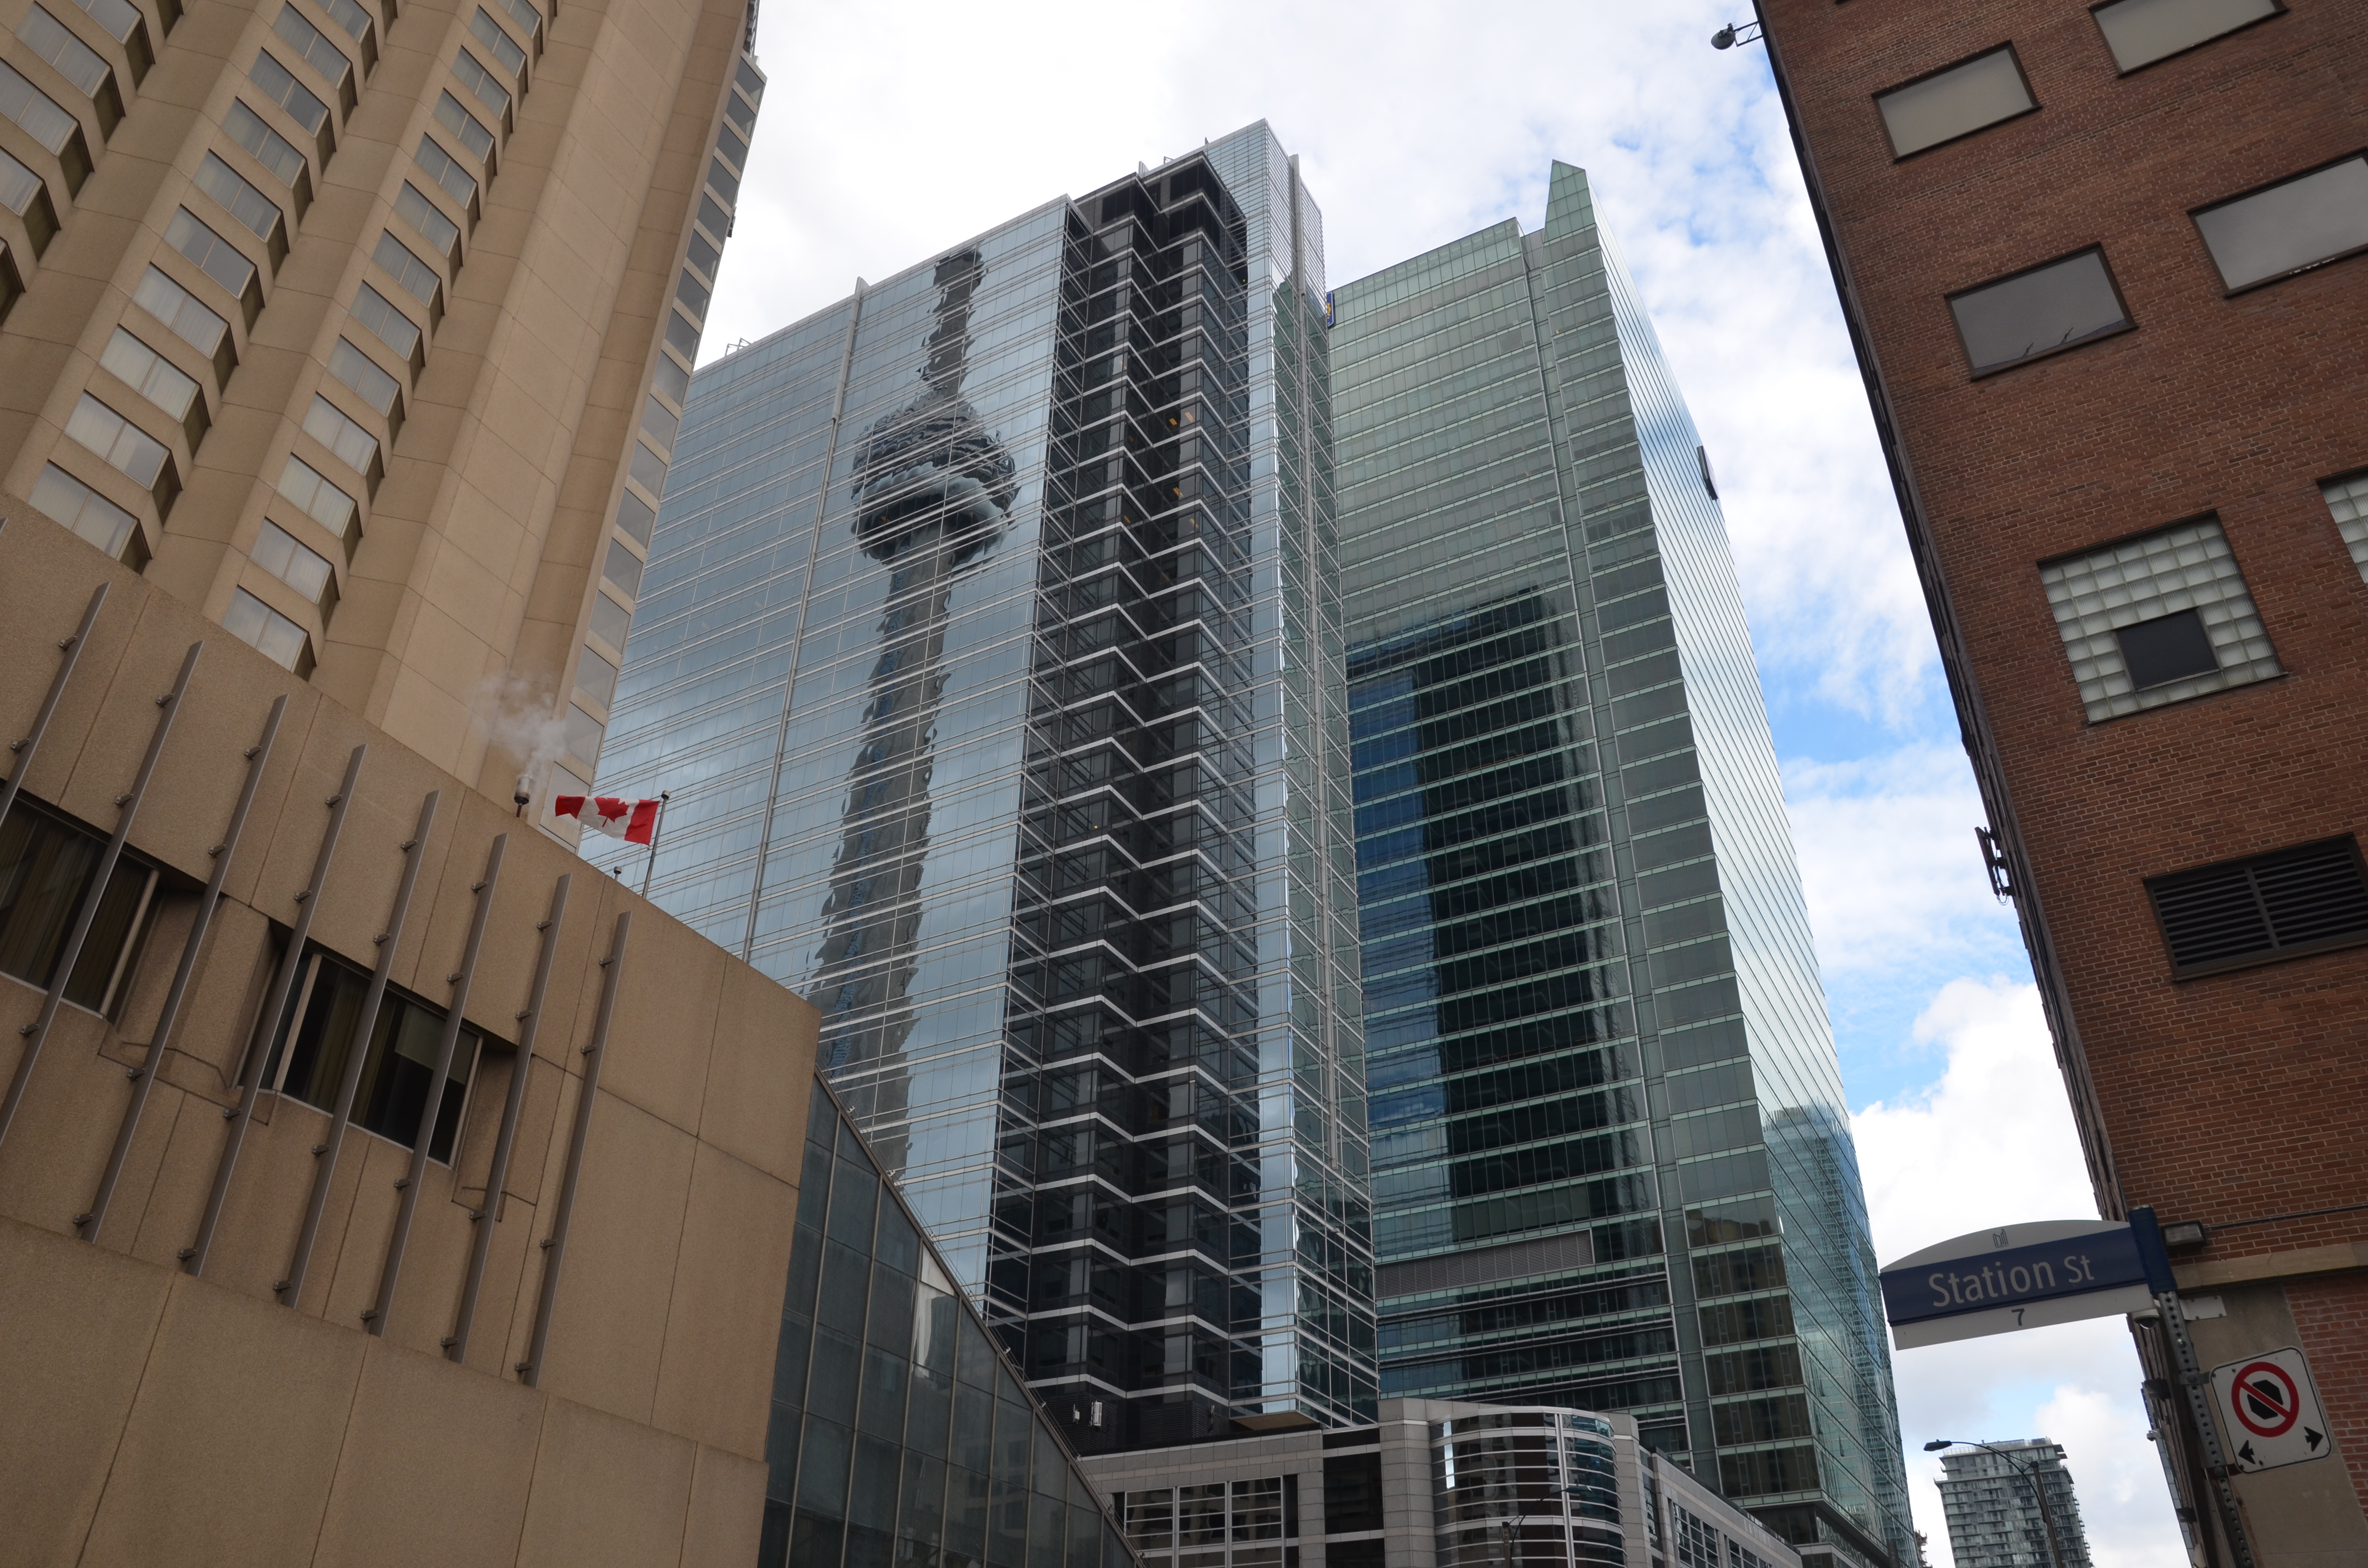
2269 906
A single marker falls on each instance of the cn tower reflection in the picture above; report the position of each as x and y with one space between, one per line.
932 490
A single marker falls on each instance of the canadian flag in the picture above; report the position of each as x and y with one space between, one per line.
633 821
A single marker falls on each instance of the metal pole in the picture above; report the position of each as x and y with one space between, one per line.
530 1370
31 744
242 1116
144 1077
456 1347
2147 1233
657 828
128 809
414 851
416 1174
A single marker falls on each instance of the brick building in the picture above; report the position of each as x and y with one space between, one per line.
2101 268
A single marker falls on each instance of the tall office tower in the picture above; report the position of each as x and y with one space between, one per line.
1612 1164
2149 603
365 329
1993 1502
990 650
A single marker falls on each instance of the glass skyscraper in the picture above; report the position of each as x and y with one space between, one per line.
990 648
1612 1162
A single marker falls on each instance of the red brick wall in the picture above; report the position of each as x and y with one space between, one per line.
2244 1094
2331 1316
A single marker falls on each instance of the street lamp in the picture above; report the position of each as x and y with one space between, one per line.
2046 1517
1511 1528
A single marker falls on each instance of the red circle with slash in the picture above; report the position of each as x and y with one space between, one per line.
2284 1400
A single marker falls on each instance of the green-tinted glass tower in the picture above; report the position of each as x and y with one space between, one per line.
1612 1162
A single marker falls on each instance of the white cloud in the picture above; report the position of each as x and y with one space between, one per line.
1889 864
1992 1142
892 132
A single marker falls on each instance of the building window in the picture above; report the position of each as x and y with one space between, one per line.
2290 227
268 633
308 1062
489 33
2303 900
2347 500
258 211
623 568
76 62
418 279
39 117
424 215
610 621
45 867
354 447
91 515
634 519
2140 32
481 85
280 85
358 371
446 170
583 736
218 259
659 423
357 23
22 192
386 323
270 149
529 20
1955 102
156 378
2053 306
596 677
466 126
127 447
313 46
327 504
2140 619
648 470
279 552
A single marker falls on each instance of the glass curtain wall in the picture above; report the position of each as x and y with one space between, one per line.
1613 1160
990 649
899 1435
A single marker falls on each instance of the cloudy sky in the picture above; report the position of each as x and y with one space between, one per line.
892 130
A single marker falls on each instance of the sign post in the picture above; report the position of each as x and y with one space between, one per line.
2014 1278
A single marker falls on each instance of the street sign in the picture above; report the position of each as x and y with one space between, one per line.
2014 1278
2269 1413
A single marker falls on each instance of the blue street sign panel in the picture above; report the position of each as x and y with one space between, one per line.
2014 1278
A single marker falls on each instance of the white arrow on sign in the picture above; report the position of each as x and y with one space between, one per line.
2269 1412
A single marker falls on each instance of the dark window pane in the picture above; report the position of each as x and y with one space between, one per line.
872 1505
1047 1531
44 867
890 1321
805 1273
1015 1432
850 1148
921 1511
856 1195
844 1275
974 1416
978 1360
816 1541
933 1332
789 1363
2175 647
966 1505
884 1378
830 1391
821 1468
781 1453
773 1546
928 1414
2287 227
900 1245
1006 1525
814 1187
2064 302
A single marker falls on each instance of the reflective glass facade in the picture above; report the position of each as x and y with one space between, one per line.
1613 1164
899 1434
990 648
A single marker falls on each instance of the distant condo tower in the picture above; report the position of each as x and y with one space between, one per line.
1612 1162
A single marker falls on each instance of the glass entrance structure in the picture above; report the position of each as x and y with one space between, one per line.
990 650
1612 1164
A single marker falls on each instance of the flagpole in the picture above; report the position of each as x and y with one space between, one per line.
655 828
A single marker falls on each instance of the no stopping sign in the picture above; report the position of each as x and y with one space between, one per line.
2269 1412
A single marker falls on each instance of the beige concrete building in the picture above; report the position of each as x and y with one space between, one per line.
363 327
245 1317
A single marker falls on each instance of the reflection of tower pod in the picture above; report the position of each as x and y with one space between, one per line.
930 473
